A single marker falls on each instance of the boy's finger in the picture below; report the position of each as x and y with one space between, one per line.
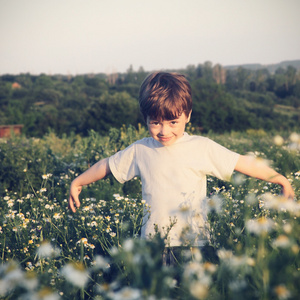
289 195
73 200
77 202
71 204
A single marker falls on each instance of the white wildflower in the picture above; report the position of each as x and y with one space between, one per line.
57 216
295 138
239 179
278 140
251 199
84 241
260 226
100 263
282 292
217 189
282 241
287 228
280 203
86 208
215 203
128 245
118 197
225 254
198 290
92 246
94 224
10 203
46 250
13 275
75 274
127 293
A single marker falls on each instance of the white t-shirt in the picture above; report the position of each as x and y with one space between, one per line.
174 182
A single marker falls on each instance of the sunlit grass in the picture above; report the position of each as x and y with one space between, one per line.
47 252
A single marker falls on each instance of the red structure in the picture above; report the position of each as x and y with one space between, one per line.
6 130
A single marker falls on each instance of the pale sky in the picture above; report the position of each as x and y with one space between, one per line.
94 36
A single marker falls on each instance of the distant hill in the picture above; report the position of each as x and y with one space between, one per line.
272 67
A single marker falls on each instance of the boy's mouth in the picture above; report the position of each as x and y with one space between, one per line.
164 139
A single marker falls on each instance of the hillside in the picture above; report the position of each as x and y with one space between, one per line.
271 67
224 100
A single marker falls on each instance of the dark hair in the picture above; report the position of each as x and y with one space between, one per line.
165 96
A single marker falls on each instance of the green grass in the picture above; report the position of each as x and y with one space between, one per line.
49 253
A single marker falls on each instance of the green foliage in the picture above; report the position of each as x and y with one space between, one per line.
216 110
96 253
225 99
111 111
24 161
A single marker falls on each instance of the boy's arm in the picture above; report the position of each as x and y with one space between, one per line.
96 172
255 168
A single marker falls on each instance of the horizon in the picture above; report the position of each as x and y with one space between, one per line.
136 70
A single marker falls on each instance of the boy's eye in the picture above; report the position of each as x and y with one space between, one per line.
174 122
154 123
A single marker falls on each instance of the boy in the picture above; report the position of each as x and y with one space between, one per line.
173 165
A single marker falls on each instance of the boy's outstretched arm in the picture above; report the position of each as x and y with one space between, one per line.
94 173
256 168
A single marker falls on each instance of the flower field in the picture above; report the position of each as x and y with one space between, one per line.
48 253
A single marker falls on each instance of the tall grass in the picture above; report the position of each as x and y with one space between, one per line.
49 253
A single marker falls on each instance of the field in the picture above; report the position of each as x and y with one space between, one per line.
49 253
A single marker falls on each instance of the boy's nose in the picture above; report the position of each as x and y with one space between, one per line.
164 130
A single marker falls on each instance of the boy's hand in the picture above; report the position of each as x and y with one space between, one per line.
288 191
74 197
258 169
94 173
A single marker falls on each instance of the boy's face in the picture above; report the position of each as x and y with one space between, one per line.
167 132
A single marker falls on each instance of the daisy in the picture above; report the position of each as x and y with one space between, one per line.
75 274
260 226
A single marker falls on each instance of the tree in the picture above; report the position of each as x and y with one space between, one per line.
207 71
290 73
242 76
190 71
214 109
49 96
219 74
5 92
199 71
25 81
141 75
260 79
111 111
130 76
43 81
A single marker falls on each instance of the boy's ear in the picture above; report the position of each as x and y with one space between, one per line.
189 117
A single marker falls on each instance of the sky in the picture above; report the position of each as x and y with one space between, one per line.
74 37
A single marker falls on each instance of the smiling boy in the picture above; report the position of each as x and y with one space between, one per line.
173 165
167 132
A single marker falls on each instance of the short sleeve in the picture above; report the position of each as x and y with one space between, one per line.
222 161
123 164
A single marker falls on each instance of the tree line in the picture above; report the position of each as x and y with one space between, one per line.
224 100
